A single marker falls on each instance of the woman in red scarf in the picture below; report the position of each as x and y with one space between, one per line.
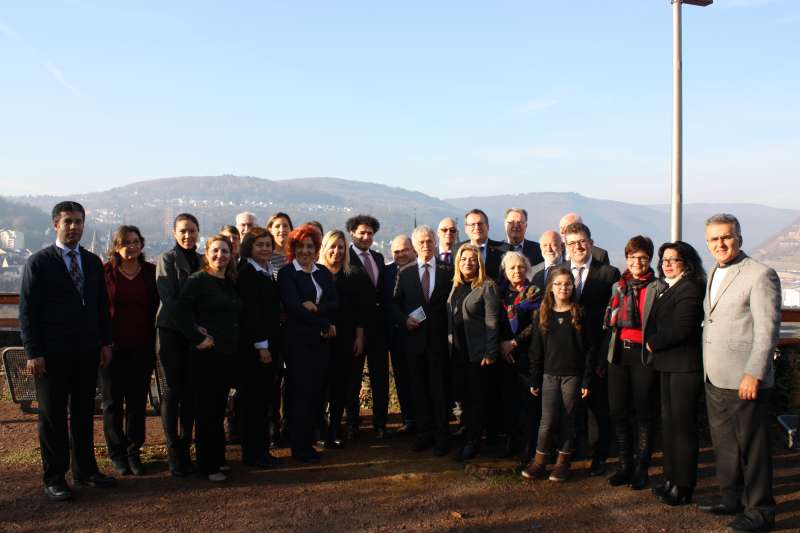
632 380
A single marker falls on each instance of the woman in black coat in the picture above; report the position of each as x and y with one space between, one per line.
309 298
352 287
673 337
177 405
256 374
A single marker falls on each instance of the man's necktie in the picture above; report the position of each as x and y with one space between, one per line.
365 258
446 258
75 271
579 282
426 282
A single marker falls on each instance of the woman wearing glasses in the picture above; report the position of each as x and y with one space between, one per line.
673 337
632 380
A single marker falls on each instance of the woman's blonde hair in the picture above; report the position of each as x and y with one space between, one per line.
329 240
458 279
230 270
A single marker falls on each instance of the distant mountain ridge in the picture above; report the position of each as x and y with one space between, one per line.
152 204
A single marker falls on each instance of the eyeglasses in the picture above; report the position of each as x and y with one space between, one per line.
448 230
670 262
573 244
638 258
474 224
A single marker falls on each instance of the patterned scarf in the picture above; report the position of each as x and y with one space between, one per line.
623 309
527 300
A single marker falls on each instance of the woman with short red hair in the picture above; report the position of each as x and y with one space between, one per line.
308 293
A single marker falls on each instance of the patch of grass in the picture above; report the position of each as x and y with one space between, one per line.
28 457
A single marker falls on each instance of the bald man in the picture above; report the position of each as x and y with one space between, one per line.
599 255
552 248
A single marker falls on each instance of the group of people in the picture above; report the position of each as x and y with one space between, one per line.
520 340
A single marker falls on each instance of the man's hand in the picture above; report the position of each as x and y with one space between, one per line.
535 391
486 361
748 388
584 393
311 306
36 367
207 343
412 324
358 345
105 356
264 356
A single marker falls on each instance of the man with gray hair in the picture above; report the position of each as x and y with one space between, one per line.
515 222
420 310
552 248
245 221
741 328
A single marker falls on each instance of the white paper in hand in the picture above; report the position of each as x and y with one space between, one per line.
418 314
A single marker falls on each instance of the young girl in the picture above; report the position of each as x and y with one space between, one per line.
560 372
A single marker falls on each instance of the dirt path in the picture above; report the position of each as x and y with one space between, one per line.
370 486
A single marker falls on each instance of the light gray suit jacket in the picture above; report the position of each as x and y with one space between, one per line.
742 326
481 313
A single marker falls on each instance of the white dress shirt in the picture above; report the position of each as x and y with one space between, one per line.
716 283
585 271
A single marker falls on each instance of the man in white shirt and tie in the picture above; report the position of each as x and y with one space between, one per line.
516 224
552 248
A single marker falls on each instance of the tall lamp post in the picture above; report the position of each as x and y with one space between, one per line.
676 228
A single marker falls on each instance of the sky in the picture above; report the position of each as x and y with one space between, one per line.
451 98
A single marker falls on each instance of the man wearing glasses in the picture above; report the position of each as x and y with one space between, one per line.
476 226
593 282
516 224
599 255
741 329
448 237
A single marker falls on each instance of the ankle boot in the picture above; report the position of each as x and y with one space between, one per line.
677 496
644 450
537 469
662 489
561 471
625 467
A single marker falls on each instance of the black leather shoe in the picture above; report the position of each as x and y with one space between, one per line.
469 451
121 466
752 523
98 481
621 477
137 468
677 496
660 490
640 477
720 509
598 467
58 492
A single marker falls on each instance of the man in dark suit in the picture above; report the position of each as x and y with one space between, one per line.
403 254
476 226
425 285
516 224
599 255
448 239
66 331
552 248
593 282
362 229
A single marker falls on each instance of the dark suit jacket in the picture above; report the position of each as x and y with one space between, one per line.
674 328
540 274
172 271
594 300
431 335
530 249
295 288
54 318
494 254
261 309
600 255
377 301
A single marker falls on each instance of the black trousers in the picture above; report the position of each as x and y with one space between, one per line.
377 358
429 388
739 432
125 383
473 381
521 411
308 364
341 381
253 401
69 383
597 404
210 373
680 392
177 401
401 368
632 393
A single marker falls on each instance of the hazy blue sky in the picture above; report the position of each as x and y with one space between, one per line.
447 97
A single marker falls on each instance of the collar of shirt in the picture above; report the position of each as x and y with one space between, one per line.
258 267
516 247
298 266
66 249
431 262
586 265
555 263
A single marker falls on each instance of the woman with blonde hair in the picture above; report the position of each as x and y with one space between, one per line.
352 286
472 319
